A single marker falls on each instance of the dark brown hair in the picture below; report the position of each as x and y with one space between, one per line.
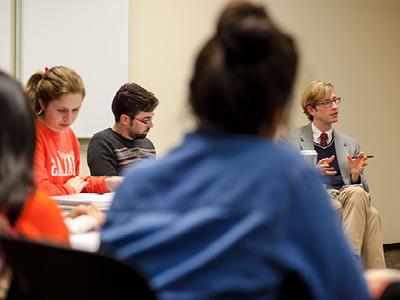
131 99
17 146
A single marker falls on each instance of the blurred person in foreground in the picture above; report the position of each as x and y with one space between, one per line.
24 210
230 214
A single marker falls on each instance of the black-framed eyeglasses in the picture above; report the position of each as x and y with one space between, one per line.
146 121
328 103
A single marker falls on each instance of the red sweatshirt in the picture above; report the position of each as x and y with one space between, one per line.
41 220
57 159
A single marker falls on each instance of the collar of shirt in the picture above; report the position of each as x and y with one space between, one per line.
317 133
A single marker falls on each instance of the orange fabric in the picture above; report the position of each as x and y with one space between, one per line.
95 183
41 219
57 159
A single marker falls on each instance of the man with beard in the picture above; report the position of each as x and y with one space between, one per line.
342 164
114 149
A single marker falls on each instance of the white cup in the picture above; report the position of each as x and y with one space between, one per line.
310 155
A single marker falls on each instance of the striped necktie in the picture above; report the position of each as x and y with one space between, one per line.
323 139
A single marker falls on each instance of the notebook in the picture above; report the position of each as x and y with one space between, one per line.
67 202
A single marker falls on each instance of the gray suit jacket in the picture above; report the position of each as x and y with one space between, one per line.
302 139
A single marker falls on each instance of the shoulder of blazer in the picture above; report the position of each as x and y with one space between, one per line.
346 139
292 136
305 133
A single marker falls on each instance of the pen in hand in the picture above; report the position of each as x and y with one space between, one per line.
368 156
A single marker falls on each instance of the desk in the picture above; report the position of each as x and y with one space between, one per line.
88 241
67 202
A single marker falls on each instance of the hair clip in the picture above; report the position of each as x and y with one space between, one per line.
45 71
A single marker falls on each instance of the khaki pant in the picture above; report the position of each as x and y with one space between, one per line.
361 224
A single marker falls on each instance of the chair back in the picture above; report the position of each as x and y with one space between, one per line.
294 287
44 271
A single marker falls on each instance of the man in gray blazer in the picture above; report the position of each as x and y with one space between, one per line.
342 163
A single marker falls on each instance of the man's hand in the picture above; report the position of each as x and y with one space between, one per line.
113 182
357 165
324 166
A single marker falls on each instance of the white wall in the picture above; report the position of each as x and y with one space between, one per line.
6 35
94 43
165 38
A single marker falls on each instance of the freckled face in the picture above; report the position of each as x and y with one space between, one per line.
60 113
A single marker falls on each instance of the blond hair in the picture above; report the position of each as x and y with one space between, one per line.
314 92
51 84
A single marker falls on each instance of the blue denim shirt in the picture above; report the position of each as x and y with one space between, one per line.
225 217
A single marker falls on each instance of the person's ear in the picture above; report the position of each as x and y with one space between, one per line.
42 105
311 110
124 119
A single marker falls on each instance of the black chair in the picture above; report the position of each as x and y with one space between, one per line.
391 292
44 271
294 287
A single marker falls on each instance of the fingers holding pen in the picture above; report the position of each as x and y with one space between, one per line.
358 162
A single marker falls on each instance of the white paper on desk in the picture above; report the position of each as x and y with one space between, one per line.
102 201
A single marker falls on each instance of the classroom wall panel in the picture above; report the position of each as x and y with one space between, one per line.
6 36
91 36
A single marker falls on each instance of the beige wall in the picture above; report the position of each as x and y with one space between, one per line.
355 44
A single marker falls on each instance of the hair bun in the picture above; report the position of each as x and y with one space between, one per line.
245 31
